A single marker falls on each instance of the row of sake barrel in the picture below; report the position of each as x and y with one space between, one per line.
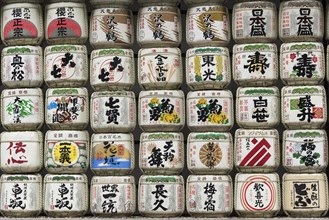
255 195
161 68
208 110
253 150
206 25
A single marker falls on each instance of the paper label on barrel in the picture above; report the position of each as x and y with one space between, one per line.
208 24
164 154
21 108
159 24
20 196
307 194
66 154
21 23
259 109
305 149
20 155
65 196
111 155
63 22
210 155
256 151
210 111
112 198
111 25
255 20
208 65
302 20
161 198
160 66
302 61
65 63
304 109
255 62
112 67
67 109
257 193
113 111
164 110
209 197
23 64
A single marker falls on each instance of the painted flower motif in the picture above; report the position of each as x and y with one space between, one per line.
292 56
218 118
169 117
202 101
155 101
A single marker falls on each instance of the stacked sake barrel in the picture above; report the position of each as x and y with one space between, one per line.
113 109
209 190
66 150
22 109
304 108
256 145
161 109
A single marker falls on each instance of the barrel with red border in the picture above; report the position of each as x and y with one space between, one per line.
257 195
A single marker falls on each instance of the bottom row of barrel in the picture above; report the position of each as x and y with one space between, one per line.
256 195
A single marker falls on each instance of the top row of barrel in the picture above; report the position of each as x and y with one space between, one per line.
206 25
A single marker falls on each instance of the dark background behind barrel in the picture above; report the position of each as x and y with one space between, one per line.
233 87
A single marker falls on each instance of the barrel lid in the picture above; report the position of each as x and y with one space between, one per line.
210 94
65 4
32 178
66 91
253 47
20 5
298 90
162 50
76 178
297 46
152 93
112 52
71 135
112 136
209 178
148 179
22 50
256 91
304 176
63 48
29 136
295 135
254 4
206 136
207 50
113 93
246 177
21 92
154 136
256 132
113 180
